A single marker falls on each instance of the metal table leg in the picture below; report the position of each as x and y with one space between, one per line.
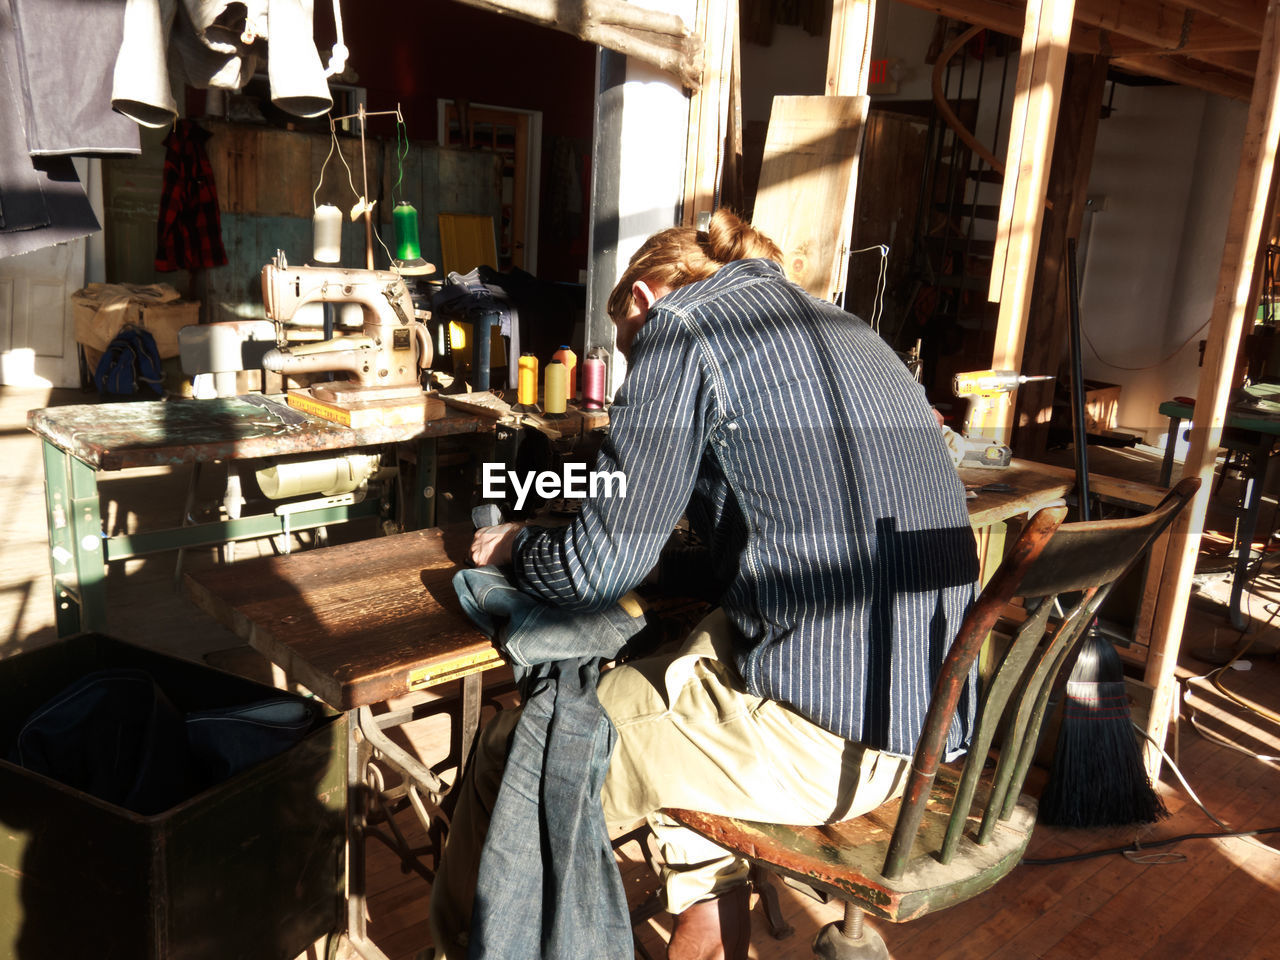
76 549
427 480
1170 443
358 756
1255 482
418 784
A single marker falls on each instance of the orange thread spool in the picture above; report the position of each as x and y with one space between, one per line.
570 360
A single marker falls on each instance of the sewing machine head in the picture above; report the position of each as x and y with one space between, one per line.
393 347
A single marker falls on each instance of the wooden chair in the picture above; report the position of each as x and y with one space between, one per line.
955 833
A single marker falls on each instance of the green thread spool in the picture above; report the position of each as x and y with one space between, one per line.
405 219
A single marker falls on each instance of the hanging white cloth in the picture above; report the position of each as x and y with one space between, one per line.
201 42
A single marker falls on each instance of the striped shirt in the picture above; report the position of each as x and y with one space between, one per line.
807 458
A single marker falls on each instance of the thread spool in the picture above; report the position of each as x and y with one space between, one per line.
570 360
555 389
327 476
405 219
593 369
326 236
527 381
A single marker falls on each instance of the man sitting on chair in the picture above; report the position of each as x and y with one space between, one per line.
809 463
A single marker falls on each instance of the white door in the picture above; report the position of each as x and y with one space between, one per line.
37 330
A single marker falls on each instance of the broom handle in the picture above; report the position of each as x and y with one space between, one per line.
1078 431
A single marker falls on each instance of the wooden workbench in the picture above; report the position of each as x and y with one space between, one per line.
1033 485
364 622
356 624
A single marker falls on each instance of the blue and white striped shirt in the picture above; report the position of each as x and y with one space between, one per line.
809 461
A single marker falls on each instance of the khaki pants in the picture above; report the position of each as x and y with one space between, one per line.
689 736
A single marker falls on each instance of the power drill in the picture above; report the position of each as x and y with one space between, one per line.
985 388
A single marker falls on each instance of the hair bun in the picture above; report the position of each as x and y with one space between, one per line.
730 238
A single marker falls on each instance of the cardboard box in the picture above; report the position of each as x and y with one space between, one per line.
251 868
101 309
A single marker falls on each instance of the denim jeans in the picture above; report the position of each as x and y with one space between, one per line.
548 885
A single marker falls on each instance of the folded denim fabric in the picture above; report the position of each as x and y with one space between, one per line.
535 631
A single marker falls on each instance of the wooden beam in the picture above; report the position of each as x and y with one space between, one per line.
1003 16
1243 63
1038 92
1245 14
732 191
1165 26
1191 73
848 69
1132 24
1230 308
849 54
717 21
1118 45
1082 93
658 38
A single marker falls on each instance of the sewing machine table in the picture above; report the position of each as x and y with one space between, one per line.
82 439
359 624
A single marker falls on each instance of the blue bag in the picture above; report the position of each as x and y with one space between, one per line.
130 358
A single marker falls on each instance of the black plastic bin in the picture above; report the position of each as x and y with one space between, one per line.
252 867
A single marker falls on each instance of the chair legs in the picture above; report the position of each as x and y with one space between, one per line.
849 939
762 883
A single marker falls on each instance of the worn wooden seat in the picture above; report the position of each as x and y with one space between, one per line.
956 831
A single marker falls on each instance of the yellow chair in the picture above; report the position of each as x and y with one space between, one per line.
467 241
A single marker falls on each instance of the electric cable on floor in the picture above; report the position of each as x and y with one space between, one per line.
1214 677
1138 847
1181 779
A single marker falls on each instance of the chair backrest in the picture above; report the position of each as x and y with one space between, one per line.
1074 564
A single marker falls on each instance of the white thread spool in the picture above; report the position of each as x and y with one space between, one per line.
327 235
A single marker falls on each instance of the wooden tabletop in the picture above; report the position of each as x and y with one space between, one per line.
355 623
1034 485
118 436
363 622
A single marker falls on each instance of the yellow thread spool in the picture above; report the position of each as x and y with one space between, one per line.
555 389
527 380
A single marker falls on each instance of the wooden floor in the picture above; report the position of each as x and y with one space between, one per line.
1203 898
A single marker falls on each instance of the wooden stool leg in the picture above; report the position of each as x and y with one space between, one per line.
763 885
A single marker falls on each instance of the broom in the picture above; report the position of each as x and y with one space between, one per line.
1097 778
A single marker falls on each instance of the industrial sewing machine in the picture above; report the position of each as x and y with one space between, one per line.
383 364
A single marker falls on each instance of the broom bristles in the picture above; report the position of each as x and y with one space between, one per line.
1098 779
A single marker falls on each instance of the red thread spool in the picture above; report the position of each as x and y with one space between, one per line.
593 383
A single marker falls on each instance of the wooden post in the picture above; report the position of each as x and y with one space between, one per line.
732 191
1086 79
849 56
1041 65
848 68
1230 308
717 22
